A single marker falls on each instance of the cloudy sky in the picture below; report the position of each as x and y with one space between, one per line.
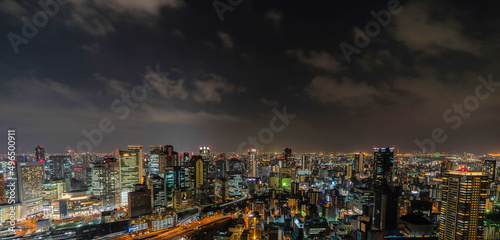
221 80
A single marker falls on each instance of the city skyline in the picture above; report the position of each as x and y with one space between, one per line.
222 77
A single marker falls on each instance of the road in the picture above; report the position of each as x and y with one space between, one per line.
171 233
191 229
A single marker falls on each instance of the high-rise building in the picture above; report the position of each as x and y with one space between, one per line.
359 162
489 169
138 149
39 153
197 172
157 186
463 205
221 169
235 164
386 207
205 153
59 166
106 182
234 184
174 180
446 166
383 162
304 161
252 154
154 159
139 201
185 159
131 169
221 189
80 169
30 176
172 158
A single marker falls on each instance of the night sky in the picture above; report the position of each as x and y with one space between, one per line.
221 80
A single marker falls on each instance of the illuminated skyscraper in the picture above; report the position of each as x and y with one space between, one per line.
105 182
252 153
30 176
136 148
172 158
359 161
197 172
383 162
205 153
131 169
221 169
489 169
174 180
154 159
40 153
59 166
463 205
304 161
80 169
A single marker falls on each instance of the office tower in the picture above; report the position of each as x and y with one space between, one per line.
174 180
252 154
156 184
59 166
446 166
221 192
172 158
169 149
185 159
139 201
463 205
154 159
40 153
205 153
359 162
235 164
137 149
304 161
30 176
386 207
383 162
234 184
489 169
80 169
221 169
348 171
131 169
106 182
197 173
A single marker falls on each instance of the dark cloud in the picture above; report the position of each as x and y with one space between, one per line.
225 78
